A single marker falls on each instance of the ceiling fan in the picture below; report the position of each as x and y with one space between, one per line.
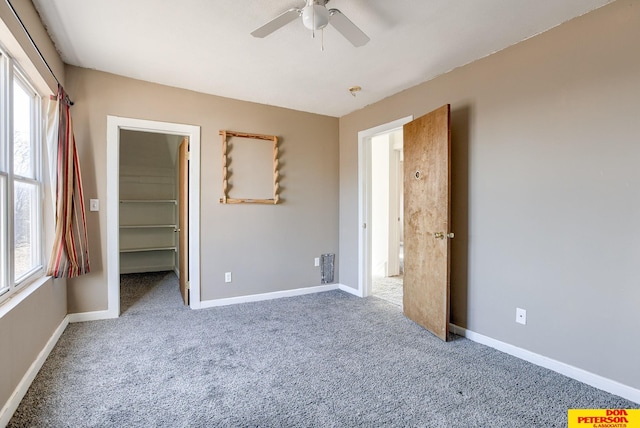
316 16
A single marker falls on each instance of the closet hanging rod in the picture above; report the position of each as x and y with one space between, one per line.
33 43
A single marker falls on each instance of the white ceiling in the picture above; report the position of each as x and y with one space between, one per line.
205 45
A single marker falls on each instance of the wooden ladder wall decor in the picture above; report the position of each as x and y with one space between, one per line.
225 177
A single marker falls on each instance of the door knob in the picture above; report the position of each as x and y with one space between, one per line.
442 235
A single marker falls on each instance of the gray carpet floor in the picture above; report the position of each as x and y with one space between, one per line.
322 360
388 288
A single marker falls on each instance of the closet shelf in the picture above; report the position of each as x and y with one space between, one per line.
149 201
142 250
148 226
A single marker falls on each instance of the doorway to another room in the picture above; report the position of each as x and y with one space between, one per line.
387 253
381 237
426 159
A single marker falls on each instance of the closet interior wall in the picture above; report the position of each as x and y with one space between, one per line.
148 202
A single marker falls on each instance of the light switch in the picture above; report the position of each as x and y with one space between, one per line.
94 205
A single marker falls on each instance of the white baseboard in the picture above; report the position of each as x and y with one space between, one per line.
18 394
266 296
91 316
578 374
103 315
350 290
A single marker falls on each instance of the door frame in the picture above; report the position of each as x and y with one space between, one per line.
183 219
364 200
114 125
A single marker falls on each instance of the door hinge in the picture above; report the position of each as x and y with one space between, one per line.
188 156
188 285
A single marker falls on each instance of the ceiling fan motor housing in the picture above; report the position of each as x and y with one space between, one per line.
315 15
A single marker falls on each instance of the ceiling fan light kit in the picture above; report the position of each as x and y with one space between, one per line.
316 16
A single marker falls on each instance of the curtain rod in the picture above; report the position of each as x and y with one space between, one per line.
33 43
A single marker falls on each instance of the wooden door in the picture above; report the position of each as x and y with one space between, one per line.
183 223
427 176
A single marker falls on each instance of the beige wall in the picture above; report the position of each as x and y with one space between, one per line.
546 190
267 248
25 331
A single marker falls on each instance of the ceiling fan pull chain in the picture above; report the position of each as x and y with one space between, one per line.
313 32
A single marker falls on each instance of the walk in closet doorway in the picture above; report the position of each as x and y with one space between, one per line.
153 208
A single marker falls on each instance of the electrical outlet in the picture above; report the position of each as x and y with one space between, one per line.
227 277
94 205
316 261
521 316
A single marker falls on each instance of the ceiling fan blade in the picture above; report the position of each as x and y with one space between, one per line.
276 23
347 28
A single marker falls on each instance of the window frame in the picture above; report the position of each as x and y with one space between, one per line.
11 72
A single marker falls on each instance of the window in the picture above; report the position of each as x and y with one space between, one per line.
21 187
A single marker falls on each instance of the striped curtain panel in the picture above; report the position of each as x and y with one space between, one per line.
70 255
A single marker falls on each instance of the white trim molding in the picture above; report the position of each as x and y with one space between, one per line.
576 373
18 394
267 296
91 316
350 290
